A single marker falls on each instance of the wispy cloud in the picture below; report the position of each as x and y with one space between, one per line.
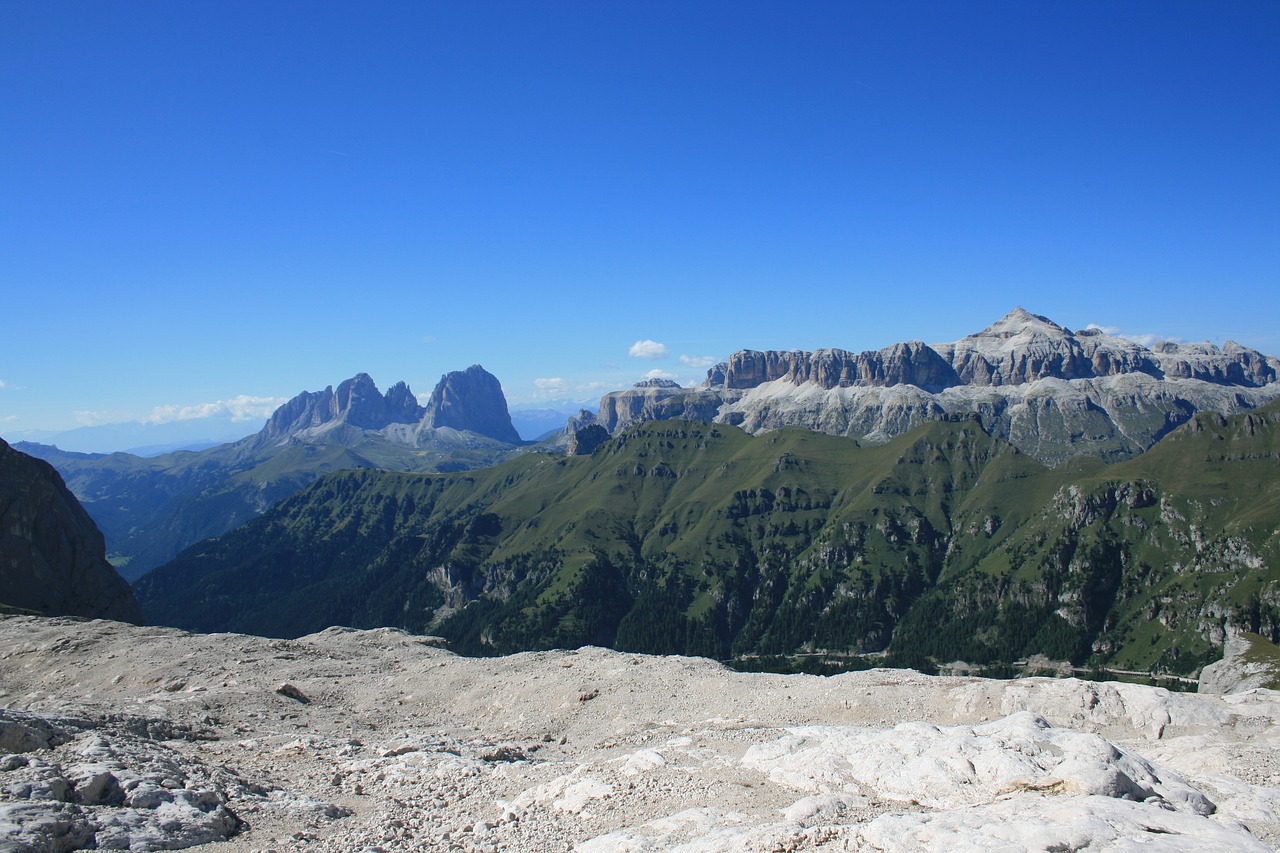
241 408
1 383
549 387
1142 339
647 349
698 360
558 388
86 417
659 374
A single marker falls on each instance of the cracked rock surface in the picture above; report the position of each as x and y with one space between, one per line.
119 737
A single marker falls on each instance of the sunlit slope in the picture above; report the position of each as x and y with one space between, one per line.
1148 562
697 538
149 509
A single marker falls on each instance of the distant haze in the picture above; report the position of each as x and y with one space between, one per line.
144 439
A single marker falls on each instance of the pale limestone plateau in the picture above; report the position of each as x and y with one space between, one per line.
151 738
1051 392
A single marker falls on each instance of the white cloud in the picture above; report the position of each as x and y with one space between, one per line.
241 408
698 360
1 383
558 388
659 374
647 349
549 387
1150 340
8 419
1145 340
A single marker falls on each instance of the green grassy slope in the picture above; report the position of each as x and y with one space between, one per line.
149 509
697 538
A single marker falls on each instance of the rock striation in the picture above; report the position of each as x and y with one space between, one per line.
52 556
1049 391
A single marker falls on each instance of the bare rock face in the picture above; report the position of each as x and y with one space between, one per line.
1249 661
584 441
470 399
1051 392
911 363
1232 365
357 402
52 556
644 401
402 405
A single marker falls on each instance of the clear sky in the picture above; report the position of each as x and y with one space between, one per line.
218 201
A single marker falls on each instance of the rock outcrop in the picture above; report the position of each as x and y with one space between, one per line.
584 441
52 557
1248 661
471 400
357 401
1051 392
468 400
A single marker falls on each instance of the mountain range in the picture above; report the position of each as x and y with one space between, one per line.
149 509
1023 393
1051 392
696 538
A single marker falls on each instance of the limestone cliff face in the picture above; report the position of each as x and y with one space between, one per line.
470 399
356 402
52 557
654 400
1052 392
911 363
1232 365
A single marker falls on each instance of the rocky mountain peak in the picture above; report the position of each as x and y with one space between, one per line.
1018 322
656 383
470 399
357 402
402 405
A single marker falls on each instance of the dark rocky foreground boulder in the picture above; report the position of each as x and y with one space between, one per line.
52 557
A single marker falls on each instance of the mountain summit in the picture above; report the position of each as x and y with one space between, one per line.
468 400
1049 391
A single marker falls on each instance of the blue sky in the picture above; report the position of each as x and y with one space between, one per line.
208 202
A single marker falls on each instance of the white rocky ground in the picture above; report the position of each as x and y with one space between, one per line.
152 738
